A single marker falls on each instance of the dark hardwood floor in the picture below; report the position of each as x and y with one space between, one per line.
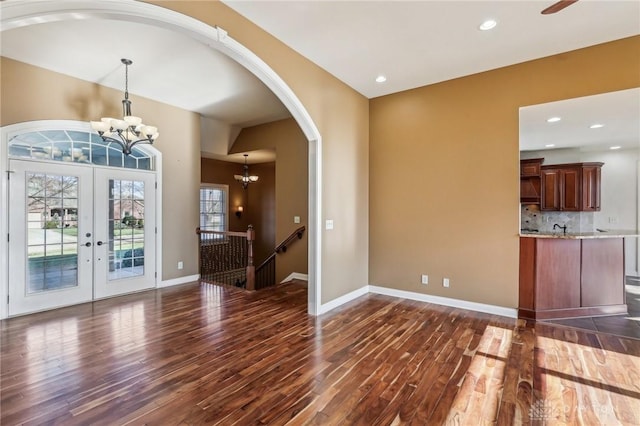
200 354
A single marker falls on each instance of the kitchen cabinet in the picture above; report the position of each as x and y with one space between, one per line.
530 180
530 167
571 187
571 277
591 177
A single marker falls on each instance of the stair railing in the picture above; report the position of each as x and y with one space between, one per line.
227 257
265 273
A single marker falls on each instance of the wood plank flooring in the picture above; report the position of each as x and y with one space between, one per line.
201 354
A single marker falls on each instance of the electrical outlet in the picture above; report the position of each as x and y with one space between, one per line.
180 264
613 219
329 224
445 282
425 279
296 219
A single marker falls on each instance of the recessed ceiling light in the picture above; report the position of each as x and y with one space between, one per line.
549 145
553 119
596 126
487 25
615 147
381 79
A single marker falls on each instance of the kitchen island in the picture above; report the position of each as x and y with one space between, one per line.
572 275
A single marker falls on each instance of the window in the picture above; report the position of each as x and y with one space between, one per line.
76 147
213 207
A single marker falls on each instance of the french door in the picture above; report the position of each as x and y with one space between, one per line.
78 233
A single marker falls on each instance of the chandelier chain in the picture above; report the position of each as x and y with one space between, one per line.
126 81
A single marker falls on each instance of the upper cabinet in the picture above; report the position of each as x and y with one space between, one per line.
530 180
591 187
571 187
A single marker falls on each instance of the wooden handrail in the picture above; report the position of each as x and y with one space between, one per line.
230 233
266 261
283 245
265 273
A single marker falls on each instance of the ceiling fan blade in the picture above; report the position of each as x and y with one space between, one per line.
557 7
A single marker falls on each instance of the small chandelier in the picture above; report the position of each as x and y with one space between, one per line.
129 131
245 179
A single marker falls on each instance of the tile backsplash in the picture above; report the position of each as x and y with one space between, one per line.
532 218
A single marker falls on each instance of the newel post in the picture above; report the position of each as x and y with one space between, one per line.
251 269
199 251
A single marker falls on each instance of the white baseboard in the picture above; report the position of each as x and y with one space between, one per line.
295 276
178 281
343 299
446 301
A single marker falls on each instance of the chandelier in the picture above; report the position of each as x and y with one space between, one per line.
129 131
245 178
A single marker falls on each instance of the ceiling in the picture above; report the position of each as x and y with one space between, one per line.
415 43
167 66
411 43
618 112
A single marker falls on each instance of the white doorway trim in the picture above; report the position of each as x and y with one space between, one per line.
23 13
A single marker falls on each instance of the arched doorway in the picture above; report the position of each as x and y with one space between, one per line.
34 12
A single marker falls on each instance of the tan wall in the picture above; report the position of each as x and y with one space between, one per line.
258 201
291 186
444 170
31 93
342 117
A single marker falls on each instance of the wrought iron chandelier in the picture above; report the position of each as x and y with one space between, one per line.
245 178
129 131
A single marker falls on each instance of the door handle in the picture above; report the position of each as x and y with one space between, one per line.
99 243
88 244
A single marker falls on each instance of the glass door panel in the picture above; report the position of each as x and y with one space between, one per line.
126 229
125 258
49 264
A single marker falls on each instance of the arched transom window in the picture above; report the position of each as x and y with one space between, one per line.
73 146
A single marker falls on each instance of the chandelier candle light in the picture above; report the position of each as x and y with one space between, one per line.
129 131
245 178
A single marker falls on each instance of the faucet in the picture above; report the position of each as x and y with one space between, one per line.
564 228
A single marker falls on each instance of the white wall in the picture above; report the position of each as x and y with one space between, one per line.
619 191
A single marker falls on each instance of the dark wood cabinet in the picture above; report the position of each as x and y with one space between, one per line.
530 167
550 197
591 188
530 180
570 187
564 278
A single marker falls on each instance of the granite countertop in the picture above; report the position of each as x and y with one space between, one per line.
605 233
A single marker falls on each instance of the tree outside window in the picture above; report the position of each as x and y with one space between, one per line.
213 207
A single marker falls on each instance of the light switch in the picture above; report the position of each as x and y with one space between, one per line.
329 224
296 219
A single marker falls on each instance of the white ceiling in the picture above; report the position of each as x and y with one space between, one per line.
619 112
415 43
412 43
167 66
